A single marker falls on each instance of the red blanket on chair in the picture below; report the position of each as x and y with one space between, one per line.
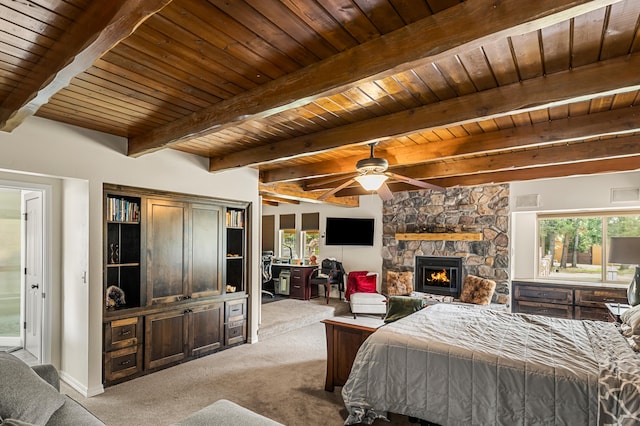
360 282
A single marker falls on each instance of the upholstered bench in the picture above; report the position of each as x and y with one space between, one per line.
226 413
368 303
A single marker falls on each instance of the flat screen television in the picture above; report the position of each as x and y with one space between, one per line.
347 231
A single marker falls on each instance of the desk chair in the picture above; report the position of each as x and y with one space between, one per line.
331 272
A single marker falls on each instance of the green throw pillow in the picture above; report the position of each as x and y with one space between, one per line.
401 306
24 395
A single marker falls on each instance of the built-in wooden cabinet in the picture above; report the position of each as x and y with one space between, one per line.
573 301
181 261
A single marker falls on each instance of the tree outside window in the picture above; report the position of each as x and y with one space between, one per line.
288 246
573 247
311 241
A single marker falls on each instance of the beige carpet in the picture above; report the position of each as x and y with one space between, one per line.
281 377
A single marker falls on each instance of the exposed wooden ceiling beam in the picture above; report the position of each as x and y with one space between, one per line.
601 79
270 199
97 30
575 152
612 122
544 172
295 192
450 32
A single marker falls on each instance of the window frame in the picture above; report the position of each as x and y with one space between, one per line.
604 260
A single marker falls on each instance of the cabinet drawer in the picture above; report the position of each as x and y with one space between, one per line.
598 297
591 313
123 333
236 309
548 309
544 294
123 363
296 291
236 332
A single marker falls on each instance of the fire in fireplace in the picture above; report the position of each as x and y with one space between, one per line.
438 275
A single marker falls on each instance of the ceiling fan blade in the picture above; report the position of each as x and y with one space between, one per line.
415 182
385 193
336 189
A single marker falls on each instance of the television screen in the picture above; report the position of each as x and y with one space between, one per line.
342 231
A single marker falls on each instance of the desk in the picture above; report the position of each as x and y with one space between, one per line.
344 337
299 287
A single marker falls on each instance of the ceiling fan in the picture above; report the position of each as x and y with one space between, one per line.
372 175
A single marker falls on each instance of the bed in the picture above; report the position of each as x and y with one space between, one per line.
459 365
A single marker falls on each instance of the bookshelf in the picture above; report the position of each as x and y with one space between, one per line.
235 250
122 251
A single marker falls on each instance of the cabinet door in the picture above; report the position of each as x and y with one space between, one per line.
205 331
592 313
205 250
597 297
549 294
166 255
165 338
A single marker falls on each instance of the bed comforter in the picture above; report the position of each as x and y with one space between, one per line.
458 365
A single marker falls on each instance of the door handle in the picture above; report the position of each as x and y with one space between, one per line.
35 286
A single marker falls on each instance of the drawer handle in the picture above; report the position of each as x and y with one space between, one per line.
542 294
125 332
609 300
127 362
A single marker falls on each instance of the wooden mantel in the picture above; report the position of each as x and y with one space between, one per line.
441 236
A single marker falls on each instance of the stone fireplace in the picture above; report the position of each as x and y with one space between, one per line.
470 223
438 275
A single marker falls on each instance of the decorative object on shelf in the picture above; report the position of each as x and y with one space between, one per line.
231 288
114 253
114 297
626 250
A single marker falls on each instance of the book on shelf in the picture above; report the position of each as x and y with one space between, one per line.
122 210
235 218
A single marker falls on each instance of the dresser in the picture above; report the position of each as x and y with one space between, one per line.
564 300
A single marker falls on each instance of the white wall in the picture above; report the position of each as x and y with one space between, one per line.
57 153
580 193
354 258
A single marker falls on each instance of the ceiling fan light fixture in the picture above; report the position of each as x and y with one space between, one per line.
371 182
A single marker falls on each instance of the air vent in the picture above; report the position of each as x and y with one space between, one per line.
624 195
527 201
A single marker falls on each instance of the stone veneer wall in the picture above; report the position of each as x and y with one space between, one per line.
483 209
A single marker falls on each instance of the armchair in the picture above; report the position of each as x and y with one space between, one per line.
331 272
362 294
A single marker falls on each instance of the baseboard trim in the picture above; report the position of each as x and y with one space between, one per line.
79 387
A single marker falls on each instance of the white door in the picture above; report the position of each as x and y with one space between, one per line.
33 274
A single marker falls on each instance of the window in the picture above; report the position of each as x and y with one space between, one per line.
288 244
311 241
575 247
310 235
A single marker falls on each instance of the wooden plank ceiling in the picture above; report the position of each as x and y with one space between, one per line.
453 92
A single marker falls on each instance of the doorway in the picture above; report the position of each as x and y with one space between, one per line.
22 273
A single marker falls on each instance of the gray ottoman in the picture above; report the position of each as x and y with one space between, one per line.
226 413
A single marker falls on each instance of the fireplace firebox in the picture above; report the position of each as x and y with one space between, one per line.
438 275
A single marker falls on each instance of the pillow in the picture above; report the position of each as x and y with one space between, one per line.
401 306
24 395
476 290
366 283
352 284
630 321
399 283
